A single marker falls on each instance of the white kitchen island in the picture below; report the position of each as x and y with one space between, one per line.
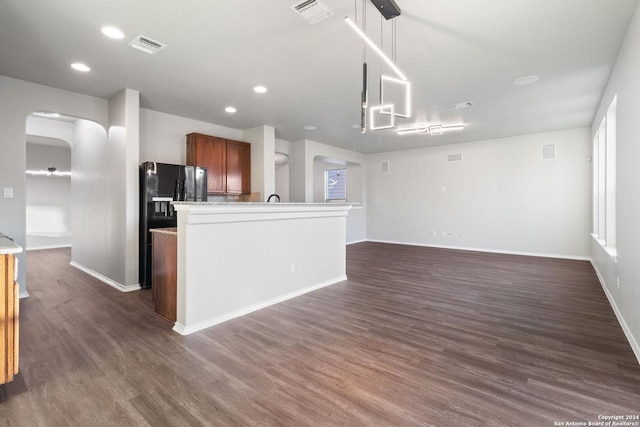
235 258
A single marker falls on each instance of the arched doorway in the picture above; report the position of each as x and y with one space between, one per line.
48 181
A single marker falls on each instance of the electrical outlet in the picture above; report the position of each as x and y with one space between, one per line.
8 193
293 267
618 282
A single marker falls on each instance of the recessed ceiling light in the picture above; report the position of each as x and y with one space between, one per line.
112 32
310 127
79 66
230 109
526 80
260 89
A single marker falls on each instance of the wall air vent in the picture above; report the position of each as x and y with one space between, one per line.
313 11
146 45
548 151
384 167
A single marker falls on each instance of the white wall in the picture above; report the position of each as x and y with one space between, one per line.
319 169
124 113
283 173
163 136
105 194
302 175
625 83
48 198
262 140
502 197
18 99
94 200
50 128
282 182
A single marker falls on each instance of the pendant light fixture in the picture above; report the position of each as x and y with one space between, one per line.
375 48
389 106
433 129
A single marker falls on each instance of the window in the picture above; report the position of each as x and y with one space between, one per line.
604 181
335 181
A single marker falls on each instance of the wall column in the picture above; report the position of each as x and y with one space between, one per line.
263 149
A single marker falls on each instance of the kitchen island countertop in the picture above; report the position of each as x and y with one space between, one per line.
8 246
275 204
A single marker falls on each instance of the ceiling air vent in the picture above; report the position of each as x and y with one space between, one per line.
146 44
313 11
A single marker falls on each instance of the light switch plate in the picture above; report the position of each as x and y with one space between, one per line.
8 193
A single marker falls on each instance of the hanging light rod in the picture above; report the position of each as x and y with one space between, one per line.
375 48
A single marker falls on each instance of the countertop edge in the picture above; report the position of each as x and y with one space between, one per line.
8 246
168 230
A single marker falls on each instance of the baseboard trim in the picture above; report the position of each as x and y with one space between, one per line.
356 241
625 328
40 248
105 279
495 251
203 324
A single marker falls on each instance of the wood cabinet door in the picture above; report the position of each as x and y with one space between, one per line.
209 152
16 328
238 167
164 274
9 316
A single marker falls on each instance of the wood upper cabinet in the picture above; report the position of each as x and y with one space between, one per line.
238 167
209 152
9 305
228 163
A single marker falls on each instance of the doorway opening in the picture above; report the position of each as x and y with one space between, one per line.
48 182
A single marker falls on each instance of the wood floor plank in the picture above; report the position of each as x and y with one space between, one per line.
415 337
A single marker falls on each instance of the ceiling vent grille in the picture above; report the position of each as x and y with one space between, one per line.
548 151
313 11
146 44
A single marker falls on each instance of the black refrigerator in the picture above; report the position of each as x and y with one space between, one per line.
161 184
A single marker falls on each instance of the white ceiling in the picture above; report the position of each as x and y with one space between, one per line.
218 50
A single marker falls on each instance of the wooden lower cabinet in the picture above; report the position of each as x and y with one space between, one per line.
164 271
9 307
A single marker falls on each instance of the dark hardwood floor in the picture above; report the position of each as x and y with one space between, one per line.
416 336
